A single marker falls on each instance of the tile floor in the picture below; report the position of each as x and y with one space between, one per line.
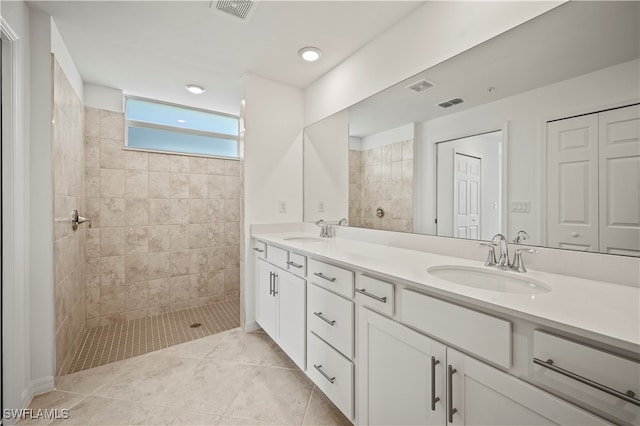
230 378
126 339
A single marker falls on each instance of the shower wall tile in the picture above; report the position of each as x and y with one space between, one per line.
167 227
382 177
70 177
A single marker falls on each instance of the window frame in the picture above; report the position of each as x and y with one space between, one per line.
157 126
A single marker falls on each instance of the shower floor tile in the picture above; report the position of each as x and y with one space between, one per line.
127 339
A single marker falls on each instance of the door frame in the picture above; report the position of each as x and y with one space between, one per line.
432 151
14 235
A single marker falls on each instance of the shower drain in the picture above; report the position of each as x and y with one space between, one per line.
195 325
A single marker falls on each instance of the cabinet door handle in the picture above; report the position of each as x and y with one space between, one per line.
326 376
629 396
434 398
259 250
275 283
324 277
373 296
294 264
270 283
323 318
450 372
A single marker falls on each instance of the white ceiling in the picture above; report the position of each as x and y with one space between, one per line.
153 48
573 39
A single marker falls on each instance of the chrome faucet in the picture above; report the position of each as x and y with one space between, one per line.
500 241
326 230
503 261
343 222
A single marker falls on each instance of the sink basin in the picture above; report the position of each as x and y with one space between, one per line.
488 279
304 239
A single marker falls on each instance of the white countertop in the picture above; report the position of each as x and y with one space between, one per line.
611 312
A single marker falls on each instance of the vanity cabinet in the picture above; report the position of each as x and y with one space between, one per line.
281 308
386 351
401 374
409 378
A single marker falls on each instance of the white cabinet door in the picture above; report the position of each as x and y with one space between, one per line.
397 384
482 395
620 181
572 183
291 295
266 312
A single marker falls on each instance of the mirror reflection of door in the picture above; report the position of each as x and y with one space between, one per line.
466 196
593 182
469 186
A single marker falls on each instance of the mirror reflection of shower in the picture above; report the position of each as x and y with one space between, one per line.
469 186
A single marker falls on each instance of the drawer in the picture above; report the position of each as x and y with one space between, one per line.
277 256
597 366
331 372
332 318
334 278
375 294
260 249
486 336
297 264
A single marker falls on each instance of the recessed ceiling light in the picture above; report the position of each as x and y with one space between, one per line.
196 90
310 53
182 121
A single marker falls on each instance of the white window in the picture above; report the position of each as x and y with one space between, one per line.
159 126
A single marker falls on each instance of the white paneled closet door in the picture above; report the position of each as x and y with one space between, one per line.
619 163
572 183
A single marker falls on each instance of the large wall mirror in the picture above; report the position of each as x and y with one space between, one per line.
537 129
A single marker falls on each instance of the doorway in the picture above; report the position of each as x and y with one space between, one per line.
469 186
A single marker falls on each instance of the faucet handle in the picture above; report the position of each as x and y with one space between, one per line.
491 256
518 263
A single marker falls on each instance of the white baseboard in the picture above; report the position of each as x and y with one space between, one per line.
252 326
37 387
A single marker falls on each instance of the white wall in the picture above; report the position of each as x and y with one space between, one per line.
42 324
326 169
525 115
100 97
388 137
434 32
16 295
59 48
273 122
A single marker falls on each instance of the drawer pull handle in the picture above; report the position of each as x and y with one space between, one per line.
373 296
326 376
319 274
450 372
259 250
629 396
294 264
434 398
323 318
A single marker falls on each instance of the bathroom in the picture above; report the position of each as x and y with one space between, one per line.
143 258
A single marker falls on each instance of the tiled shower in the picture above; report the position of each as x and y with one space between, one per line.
165 229
382 177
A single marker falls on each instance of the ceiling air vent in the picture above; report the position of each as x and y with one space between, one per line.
420 86
451 103
238 8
